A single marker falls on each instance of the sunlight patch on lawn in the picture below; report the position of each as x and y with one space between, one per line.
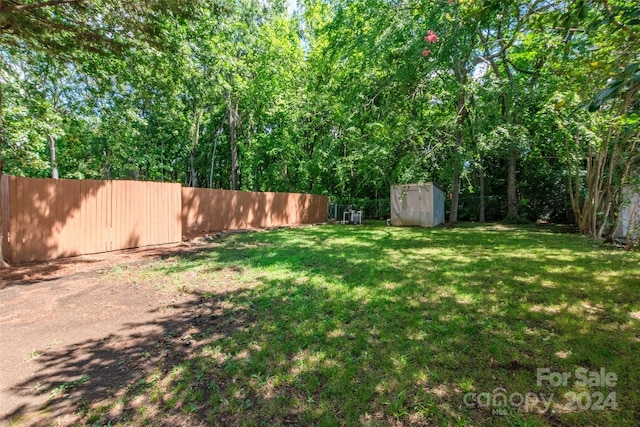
388 326
549 309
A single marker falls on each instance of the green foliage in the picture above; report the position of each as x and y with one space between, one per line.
332 97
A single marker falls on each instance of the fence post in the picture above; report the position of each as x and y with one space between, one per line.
5 219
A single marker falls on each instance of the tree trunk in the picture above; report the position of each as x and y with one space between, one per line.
609 167
213 161
3 263
455 196
481 216
508 117
462 113
512 196
573 176
232 107
193 173
216 140
195 140
54 159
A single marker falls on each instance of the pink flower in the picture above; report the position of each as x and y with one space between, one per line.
450 2
426 52
431 37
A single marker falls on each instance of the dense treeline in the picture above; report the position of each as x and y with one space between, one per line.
518 109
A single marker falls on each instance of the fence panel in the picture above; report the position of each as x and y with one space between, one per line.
206 210
46 218
4 213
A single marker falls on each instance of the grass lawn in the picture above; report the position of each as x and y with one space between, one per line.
374 325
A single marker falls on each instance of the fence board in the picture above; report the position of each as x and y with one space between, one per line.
20 230
55 211
109 217
4 213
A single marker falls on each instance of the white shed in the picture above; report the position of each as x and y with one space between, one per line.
629 218
417 204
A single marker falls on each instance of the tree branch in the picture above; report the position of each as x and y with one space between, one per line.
619 23
520 70
25 7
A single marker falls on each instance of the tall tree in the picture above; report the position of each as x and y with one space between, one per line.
591 56
503 27
612 156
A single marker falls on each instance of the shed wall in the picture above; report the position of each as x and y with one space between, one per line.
417 205
629 220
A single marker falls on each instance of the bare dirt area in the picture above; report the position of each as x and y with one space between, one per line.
70 337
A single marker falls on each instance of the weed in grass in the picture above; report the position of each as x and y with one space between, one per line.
59 390
141 411
397 406
466 384
33 354
261 379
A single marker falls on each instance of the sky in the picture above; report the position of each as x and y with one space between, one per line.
291 6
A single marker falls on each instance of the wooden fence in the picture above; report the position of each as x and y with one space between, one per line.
54 218
207 210
46 218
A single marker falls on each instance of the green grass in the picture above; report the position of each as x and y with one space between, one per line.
373 325
64 387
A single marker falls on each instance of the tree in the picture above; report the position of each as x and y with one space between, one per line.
602 146
458 57
67 28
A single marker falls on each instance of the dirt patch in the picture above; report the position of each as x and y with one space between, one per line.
67 267
71 336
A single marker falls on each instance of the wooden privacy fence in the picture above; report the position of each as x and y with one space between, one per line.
46 218
54 218
206 210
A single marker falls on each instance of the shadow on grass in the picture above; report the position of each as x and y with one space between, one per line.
365 325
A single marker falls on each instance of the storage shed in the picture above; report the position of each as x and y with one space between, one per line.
629 218
417 204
